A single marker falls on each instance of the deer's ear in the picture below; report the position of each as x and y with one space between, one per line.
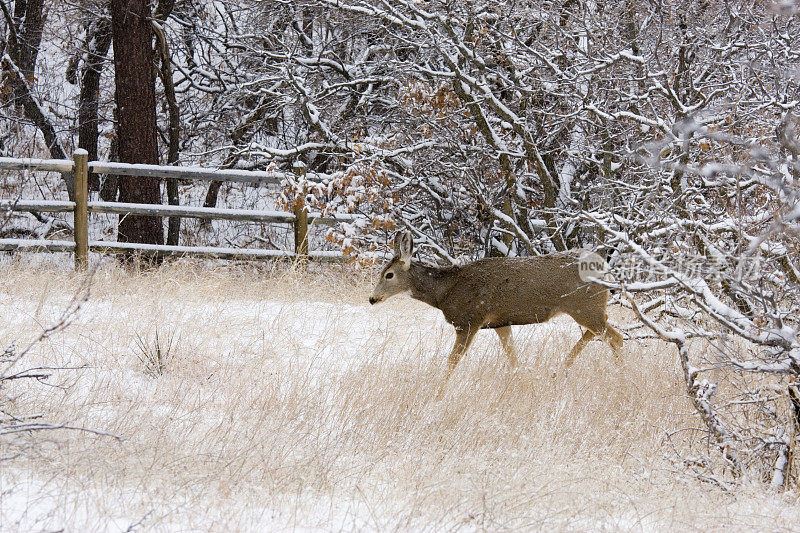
397 238
404 247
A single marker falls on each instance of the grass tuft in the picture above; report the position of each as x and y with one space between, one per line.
155 354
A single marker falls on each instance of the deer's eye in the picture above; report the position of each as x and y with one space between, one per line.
389 275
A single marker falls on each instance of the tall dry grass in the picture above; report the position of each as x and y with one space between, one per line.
289 404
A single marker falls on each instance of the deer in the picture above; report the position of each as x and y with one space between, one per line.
500 292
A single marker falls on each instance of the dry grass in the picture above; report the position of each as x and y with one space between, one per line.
288 403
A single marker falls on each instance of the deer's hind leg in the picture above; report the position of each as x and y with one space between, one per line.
596 325
507 341
588 335
613 338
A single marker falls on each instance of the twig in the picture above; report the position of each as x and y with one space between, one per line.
22 428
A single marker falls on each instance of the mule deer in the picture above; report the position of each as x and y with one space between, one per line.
500 292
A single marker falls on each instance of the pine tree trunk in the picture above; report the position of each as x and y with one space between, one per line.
136 113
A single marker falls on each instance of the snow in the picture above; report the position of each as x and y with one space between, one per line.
187 172
35 244
325 343
46 206
308 346
32 505
57 165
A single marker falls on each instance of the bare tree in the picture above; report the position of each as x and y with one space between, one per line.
664 131
89 61
23 33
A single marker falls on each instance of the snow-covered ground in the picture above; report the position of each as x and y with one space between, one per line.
286 402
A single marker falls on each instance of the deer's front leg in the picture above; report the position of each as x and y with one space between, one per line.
463 339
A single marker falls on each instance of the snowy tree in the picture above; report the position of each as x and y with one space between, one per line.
664 133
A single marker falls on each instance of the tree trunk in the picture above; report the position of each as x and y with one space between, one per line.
30 18
174 129
33 111
98 42
136 112
21 48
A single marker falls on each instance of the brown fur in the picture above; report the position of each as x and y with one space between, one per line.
501 292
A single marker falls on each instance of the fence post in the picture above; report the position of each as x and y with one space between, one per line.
300 217
81 218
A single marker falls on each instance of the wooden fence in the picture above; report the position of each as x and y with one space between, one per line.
81 207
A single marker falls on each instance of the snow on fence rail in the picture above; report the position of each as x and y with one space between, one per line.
195 173
24 163
81 207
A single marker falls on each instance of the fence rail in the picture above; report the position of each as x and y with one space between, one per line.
36 206
81 207
165 250
25 163
182 173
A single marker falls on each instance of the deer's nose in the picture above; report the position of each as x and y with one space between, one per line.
373 300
